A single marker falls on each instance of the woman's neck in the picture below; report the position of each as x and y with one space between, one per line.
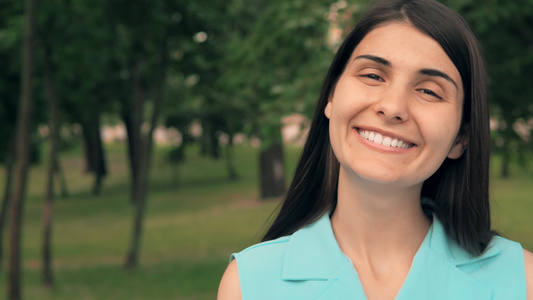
380 228
373 222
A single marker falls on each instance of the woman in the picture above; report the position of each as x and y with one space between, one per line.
390 197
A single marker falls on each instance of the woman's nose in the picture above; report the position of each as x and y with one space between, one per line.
393 105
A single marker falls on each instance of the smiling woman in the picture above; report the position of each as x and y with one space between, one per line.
390 197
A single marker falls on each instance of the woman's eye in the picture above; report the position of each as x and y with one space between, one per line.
431 93
373 76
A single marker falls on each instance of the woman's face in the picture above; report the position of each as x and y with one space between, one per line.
396 110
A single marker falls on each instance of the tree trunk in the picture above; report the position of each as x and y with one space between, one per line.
230 162
272 173
94 152
132 155
22 161
100 169
145 153
134 130
6 199
506 160
87 149
175 180
62 180
48 278
508 135
210 144
140 204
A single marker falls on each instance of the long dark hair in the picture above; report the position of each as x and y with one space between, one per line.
459 188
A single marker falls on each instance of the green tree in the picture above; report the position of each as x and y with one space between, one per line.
82 80
11 18
48 201
141 33
505 29
220 110
22 155
275 53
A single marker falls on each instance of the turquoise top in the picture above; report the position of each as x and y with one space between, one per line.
310 265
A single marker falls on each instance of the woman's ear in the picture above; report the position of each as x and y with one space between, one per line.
327 110
458 148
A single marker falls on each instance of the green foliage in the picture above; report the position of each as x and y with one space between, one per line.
234 65
11 24
11 20
278 57
505 29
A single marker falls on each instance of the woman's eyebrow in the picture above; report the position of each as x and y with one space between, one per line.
437 73
377 59
426 72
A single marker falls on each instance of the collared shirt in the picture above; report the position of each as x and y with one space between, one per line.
310 265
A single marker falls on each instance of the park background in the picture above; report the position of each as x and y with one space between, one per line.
143 142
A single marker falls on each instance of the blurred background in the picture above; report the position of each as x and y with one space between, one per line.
142 142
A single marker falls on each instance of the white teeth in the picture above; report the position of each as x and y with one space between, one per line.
385 141
378 139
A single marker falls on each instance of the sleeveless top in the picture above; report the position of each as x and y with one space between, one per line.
310 265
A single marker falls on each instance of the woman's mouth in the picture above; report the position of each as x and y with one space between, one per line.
384 140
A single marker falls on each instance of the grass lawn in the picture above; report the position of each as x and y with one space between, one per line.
190 230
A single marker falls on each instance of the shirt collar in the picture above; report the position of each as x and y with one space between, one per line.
443 244
314 254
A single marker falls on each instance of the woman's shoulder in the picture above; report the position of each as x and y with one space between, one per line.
528 262
230 287
260 259
507 267
268 270
505 251
263 250
504 254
